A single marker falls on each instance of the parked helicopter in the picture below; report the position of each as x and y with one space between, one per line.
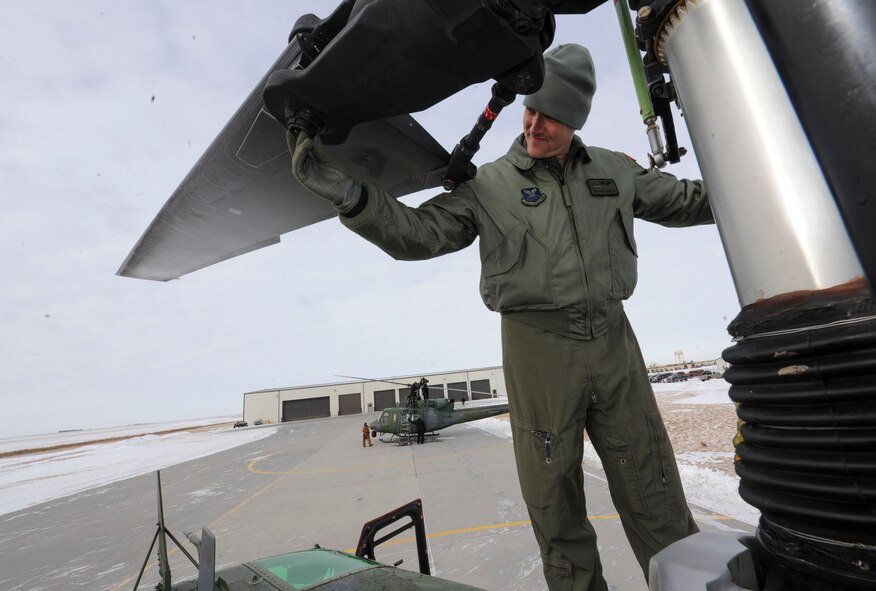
436 413
304 569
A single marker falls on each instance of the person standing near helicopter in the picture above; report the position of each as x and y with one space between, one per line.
420 428
366 436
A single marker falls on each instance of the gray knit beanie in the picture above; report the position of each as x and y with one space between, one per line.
569 84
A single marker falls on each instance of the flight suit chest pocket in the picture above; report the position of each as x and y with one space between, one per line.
516 274
622 255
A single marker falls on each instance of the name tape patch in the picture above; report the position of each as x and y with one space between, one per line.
602 187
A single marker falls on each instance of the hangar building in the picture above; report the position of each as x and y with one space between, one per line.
344 398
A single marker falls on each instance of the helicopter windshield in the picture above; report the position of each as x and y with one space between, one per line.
306 569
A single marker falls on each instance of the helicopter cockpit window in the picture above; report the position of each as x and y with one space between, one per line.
303 570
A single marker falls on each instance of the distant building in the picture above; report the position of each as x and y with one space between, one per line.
296 403
719 363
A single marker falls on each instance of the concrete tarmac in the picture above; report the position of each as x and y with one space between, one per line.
312 482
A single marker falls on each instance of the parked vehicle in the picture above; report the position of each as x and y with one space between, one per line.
660 378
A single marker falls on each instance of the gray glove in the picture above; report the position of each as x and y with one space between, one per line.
320 175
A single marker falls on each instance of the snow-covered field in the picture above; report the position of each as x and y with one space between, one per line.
30 442
699 418
32 478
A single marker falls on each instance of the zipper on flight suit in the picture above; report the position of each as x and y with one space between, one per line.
662 464
548 450
560 177
655 433
561 180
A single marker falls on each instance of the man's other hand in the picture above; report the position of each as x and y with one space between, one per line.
320 175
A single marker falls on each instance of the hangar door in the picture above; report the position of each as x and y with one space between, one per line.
480 389
308 408
350 404
384 399
457 390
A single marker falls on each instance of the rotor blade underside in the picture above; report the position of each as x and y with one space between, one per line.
241 195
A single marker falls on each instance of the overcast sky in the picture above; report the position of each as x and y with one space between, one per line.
105 106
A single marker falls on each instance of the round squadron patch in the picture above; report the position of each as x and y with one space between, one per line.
532 196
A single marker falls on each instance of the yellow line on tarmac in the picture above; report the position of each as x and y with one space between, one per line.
282 475
360 468
240 505
467 530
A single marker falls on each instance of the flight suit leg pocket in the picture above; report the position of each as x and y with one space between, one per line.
540 463
557 572
622 470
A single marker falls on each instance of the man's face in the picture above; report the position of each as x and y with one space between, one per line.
546 137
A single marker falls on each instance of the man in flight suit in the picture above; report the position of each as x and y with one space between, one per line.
555 221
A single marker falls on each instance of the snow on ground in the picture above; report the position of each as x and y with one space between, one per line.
716 390
705 486
83 435
32 478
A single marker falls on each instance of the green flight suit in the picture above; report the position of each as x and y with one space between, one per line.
558 258
559 387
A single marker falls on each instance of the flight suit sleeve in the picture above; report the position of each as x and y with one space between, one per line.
444 224
664 199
